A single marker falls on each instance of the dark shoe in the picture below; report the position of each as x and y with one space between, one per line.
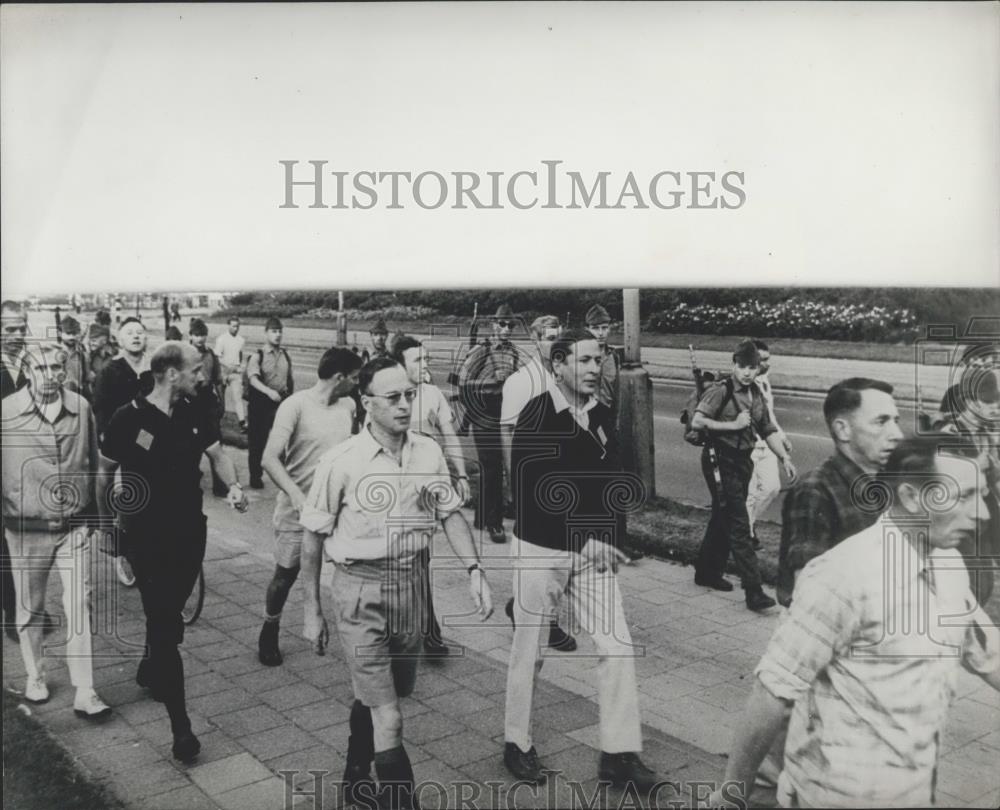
509 610
497 534
267 645
758 600
358 786
620 769
523 764
256 483
755 542
559 639
186 747
719 583
435 648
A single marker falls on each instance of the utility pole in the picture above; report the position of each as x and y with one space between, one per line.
635 402
341 320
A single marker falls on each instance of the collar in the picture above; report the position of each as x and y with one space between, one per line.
372 448
269 349
15 366
560 403
23 403
847 469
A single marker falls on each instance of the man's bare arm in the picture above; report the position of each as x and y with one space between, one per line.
762 720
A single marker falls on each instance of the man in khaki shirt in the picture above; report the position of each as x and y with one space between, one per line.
269 372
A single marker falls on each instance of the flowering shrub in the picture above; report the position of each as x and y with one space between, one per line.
792 318
394 313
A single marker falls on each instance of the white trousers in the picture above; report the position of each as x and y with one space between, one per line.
541 575
765 483
32 557
234 392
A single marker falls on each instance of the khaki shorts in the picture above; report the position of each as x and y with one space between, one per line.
381 609
288 548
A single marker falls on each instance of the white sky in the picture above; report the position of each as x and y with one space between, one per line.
140 144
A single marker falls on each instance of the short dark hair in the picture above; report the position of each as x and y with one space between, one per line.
746 354
914 458
173 333
131 319
845 396
233 318
169 354
103 317
273 323
370 369
198 327
401 344
337 360
761 346
563 345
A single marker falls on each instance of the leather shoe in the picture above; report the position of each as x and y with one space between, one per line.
267 645
559 639
435 648
758 600
523 764
88 705
620 769
186 747
497 534
718 583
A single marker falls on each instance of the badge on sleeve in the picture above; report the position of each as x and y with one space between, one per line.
144 439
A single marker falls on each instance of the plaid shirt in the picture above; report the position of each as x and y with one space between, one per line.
834 501
869 654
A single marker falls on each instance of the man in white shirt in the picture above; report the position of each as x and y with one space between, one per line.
229 350
765 484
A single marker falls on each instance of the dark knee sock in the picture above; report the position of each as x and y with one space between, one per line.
278 590
362 731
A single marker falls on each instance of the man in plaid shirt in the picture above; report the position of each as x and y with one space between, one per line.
864 665
835 500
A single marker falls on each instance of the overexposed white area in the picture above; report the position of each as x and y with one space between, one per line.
141 144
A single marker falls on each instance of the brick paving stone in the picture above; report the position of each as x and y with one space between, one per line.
320 714
289 697
336 736
459 702
488 682
705 673
241 664
264 679
565 716
127 756
210 653
317 757
222 702
215 745
274 742
188 798
442 775
151 780
200 635
960 780
205 684
229 773
264 795
248 721
429 726
115 731
236 621
460 747
220 609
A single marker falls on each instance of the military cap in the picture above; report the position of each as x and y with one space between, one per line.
379 327
198 327
504 311
273 323
98 330
597 315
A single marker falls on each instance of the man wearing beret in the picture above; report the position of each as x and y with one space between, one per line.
480 384
77 364
270 375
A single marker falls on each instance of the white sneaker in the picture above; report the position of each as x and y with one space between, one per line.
88 704
36 691
124 572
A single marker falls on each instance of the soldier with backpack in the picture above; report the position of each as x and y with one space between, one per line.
268 381
730 412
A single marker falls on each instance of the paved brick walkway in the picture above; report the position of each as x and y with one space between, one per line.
699 650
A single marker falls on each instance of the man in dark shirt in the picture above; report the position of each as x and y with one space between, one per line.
564 468
839 499
125 377
269 374
210 390
77 358
158 441
14 326
480 382
731 411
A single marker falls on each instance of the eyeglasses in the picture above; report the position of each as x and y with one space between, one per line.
393 399
505 324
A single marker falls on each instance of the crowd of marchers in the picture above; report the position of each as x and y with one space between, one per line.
898 526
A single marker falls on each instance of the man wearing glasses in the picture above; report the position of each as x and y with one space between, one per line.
374 505
480 383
